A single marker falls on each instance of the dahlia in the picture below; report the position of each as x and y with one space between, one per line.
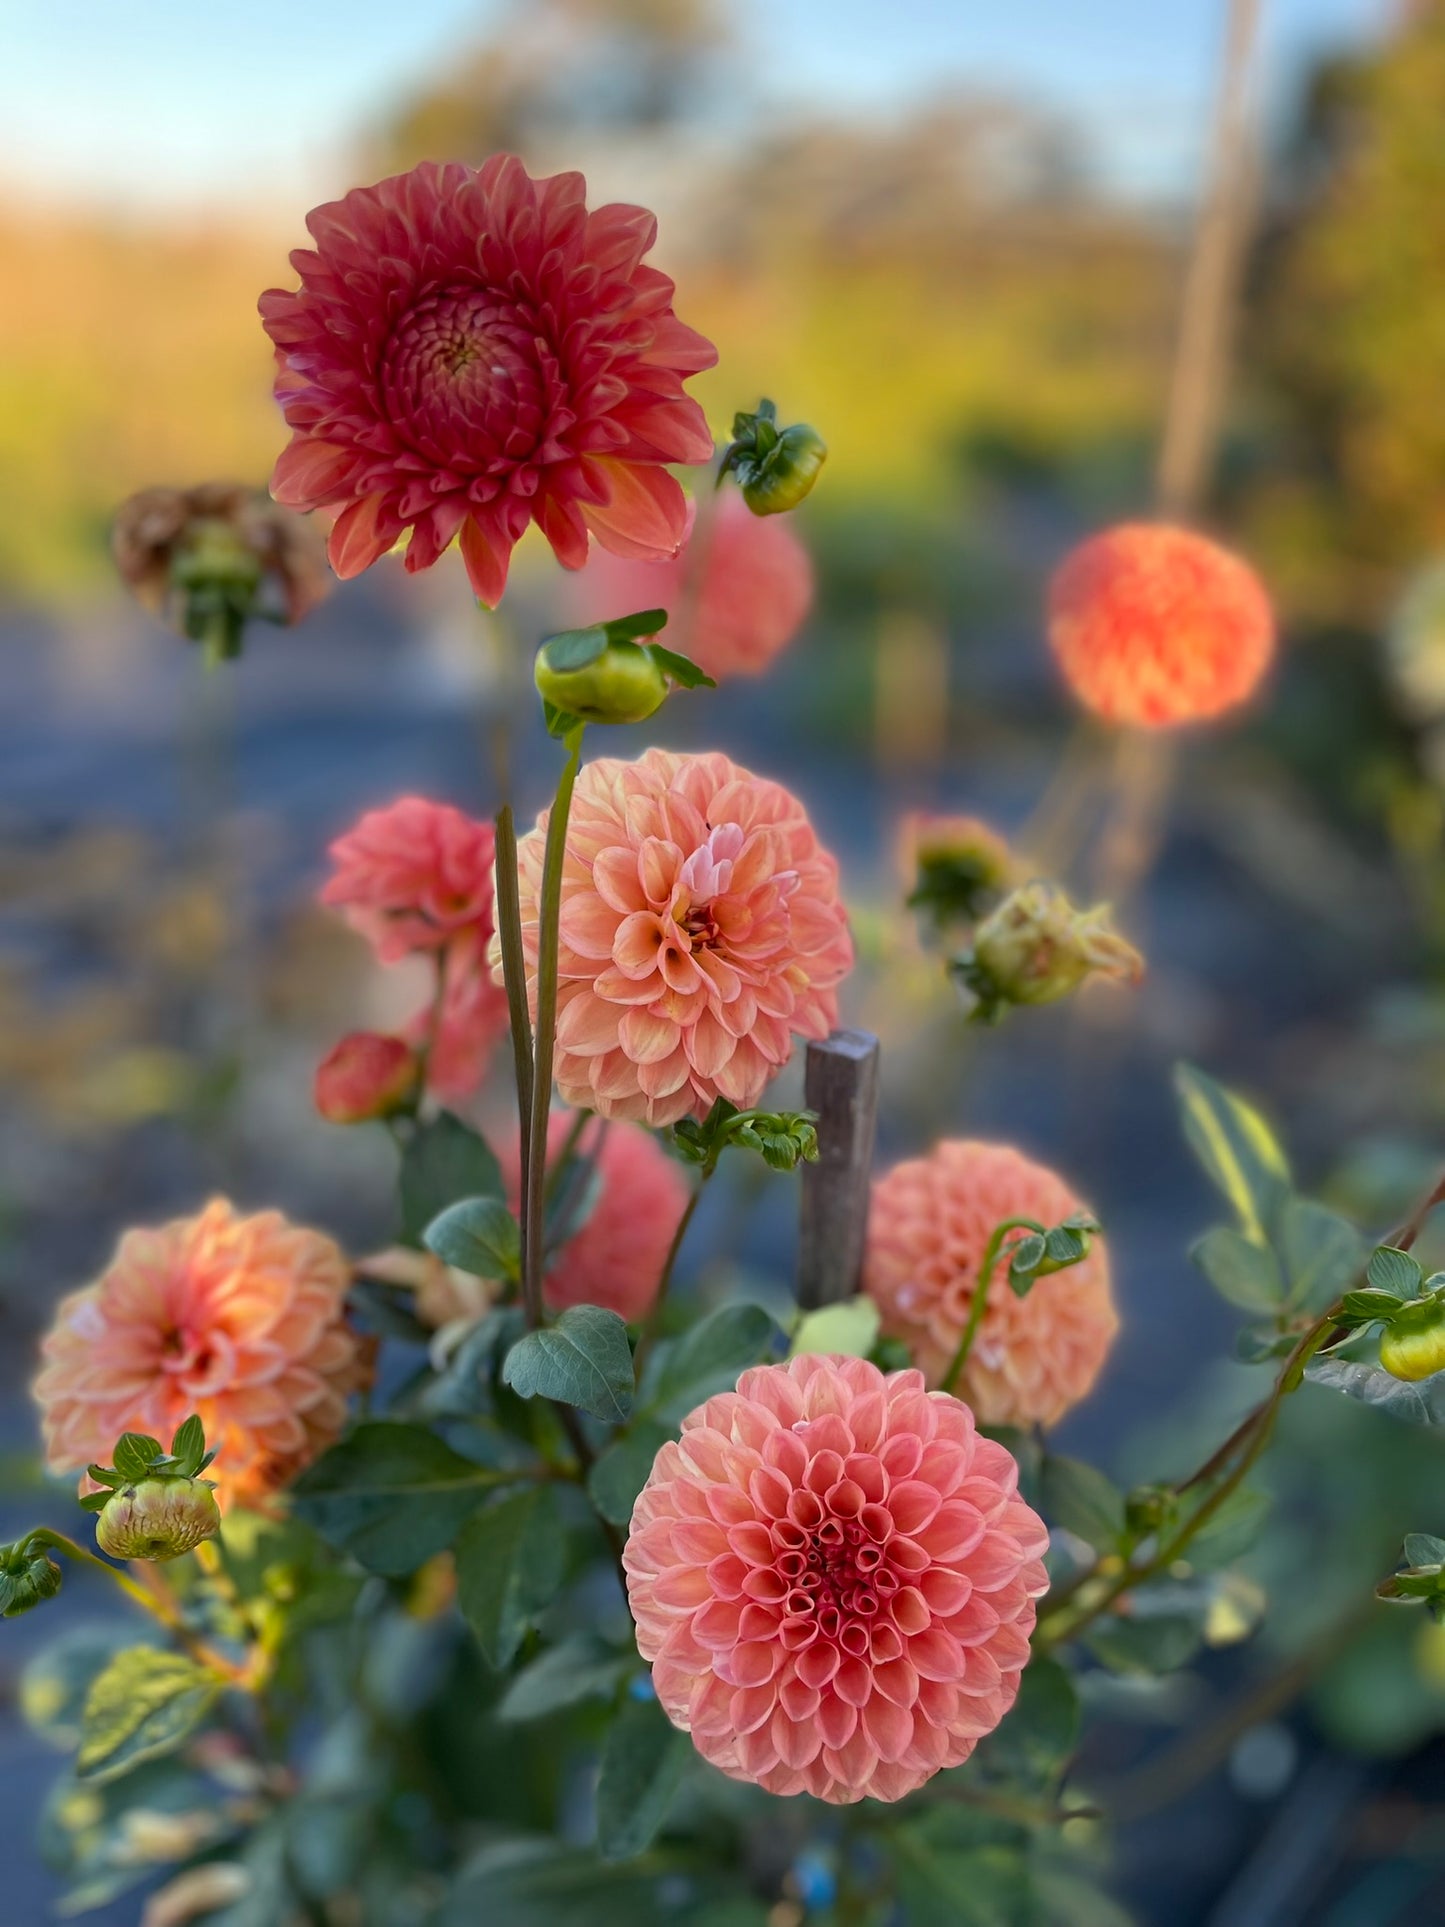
470 351
1157 626
414 876
366 1075
700 931
931 1219
241 1320
741 590
834 1579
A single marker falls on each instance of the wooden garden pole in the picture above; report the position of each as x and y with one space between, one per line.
841 1087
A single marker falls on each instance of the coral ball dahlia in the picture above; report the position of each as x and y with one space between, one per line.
470 351
742 588
1156 626
834 1579
700 931
930 1222
239 1319
413 876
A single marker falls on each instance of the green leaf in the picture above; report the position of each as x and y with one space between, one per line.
984 1886
1039 1736
850 1328
619 1473
1239 1270
710 1358
1236 1147
540 1883
583 1359
682 669
581 1668
1394 1271
1145 1642
143 1704
1064 1246
646 622
1083 1501
188 1447
511 1559
1229 1532
443 1161
104 1475
391 1495
1321 1252
642 1760
1370 1305
1026 1256
1421 1403
573 649
135 1454
479 1236
57 1678
1424 1549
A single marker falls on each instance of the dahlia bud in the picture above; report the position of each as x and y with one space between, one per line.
1036 948
366 1076
209 559
776 467
1412 1345
158 1519
611 672
957 865
28 1575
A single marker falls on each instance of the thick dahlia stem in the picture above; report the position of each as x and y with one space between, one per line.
980 1295
534 1187
514 976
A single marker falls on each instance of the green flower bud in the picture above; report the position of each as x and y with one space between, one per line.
776 467
158 1519
1036 948
28 1575
1413 1343
603 682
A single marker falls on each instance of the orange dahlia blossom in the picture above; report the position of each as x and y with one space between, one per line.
471 350
239 1319
931 1219
738 592
700 931
834 1579
1156 626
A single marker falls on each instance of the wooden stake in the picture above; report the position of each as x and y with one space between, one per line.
842 1088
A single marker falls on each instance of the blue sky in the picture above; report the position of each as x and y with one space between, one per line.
170 102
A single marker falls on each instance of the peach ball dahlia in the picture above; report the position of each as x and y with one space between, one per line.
740 590
470 351
239 1319
700 932
834 1579
930 1221
1156 626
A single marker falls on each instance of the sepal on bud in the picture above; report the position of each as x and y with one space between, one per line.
611 672
28 1577
1036 948
1421 1579
776 467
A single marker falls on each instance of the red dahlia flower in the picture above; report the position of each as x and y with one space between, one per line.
471 350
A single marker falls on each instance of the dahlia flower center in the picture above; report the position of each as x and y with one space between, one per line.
466 360
835 1574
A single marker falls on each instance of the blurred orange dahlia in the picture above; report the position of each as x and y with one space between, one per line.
739 591
930 1222
834 1579
700 931
1156 626
242 1320
471 350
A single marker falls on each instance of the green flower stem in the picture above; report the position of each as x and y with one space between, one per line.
559 1164
980 1294
514 976
433 1030
534 1187
669 1264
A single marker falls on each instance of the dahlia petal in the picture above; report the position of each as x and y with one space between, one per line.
358 537
486 554
645 514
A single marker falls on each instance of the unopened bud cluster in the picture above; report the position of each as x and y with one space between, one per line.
783 1139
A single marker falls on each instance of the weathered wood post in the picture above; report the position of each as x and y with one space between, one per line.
842 1088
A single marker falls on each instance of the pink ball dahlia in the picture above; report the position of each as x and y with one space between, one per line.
240 1319
931 1219
834 1579
700 931
471 350
1156 626
738 592
414 876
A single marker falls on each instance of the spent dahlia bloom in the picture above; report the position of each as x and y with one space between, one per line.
1156 626
930 1221
700 931
741 590
241 1320
834 1579
471 350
